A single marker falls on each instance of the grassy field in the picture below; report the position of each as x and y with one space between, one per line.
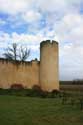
38 111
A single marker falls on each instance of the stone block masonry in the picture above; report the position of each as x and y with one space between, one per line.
34 73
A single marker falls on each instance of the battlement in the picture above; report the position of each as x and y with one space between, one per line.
54 42
35 61
47 43
6 61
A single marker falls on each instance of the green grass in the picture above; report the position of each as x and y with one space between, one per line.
38 111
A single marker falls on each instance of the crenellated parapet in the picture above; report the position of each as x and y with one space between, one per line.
29 63
35 61
48 43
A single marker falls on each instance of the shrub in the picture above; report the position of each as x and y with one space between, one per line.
55 93
37 88
17 86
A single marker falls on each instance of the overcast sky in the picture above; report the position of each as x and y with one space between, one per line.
28 22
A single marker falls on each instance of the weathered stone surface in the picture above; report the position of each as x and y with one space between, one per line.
43 73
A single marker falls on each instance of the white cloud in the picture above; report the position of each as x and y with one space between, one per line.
29 38
59 7
71 63
69 28
31 16
17 6
4 37
14 6
63 23
70 33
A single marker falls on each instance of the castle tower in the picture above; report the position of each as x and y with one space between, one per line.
49 79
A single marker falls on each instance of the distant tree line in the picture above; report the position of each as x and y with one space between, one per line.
77 82
73 82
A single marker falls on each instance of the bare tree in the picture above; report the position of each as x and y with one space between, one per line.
15 53
23 53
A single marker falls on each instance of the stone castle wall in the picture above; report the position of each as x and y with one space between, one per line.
26 74
29 74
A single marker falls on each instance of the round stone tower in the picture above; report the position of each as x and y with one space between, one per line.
49 75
